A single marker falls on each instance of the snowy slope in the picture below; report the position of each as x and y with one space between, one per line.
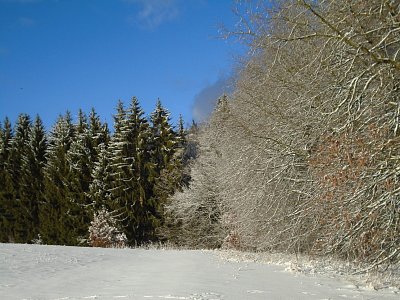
56 272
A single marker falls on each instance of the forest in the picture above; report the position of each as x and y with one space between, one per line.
82 185
302 157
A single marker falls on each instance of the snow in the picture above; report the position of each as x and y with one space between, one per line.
58 272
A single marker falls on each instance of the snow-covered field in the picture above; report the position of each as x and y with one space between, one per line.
56 272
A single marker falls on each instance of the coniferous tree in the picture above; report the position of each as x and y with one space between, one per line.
98 134
101 171
32 181
163 137
14 170
104 231
53 185
181 131
56 226
102 181
80 166
116 155
6 186
143 217
83 156
130 171
165 157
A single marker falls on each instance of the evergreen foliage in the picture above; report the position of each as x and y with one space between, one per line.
6 187
14 170
56 213
32 180
104 231
81 185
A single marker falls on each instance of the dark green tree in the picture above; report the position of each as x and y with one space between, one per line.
163 137
130 171
32 181
56 224
165 143
102 181
79 160
19 145
82 158
6 186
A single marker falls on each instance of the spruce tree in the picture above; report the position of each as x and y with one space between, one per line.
117 154
167 162
82 158
32 180
130 171
14 169
163 137
98 133
142 211
101 171
102 181
80 165
6 186
56 224
181 132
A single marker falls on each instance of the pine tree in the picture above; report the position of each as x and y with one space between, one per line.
98 134
56 225
116 161
130 171
6 186
102 181
32 180
166 158
104 231
80 165
82 157
117 154
142 211
181 132
18 149
163 137
101 171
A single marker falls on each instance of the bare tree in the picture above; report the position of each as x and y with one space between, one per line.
306 148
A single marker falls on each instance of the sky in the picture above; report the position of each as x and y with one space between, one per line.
59 55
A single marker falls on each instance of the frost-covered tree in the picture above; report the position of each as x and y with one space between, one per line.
6 186
164 145
102 181
306 143
32 180
80 165
163 137
98 134
18 149
105 231
130 171
193 215
56 224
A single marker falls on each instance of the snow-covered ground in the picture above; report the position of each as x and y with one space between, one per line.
56 272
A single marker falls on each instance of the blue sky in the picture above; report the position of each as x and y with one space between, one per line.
58 55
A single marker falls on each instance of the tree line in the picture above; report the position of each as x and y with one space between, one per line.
303 156
81 184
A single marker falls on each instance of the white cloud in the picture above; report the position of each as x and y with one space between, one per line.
153 13
204 102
